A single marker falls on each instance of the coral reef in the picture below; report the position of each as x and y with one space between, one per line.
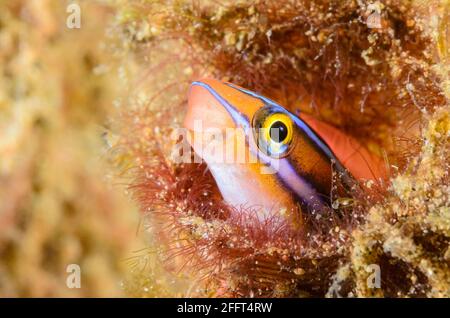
86 122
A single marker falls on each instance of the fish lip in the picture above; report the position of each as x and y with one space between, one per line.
205 107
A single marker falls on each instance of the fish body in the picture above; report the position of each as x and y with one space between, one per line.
289 161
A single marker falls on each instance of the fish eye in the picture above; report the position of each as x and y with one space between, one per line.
273 131
278 131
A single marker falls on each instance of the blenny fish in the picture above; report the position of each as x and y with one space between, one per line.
303 152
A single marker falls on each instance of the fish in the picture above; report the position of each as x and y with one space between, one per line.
289 161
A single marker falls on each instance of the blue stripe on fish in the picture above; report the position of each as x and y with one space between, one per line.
299 122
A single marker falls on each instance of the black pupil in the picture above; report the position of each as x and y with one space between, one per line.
278 131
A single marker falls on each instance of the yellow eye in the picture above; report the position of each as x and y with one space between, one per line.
273 130
278 128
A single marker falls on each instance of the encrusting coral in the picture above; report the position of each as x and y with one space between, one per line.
408 234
